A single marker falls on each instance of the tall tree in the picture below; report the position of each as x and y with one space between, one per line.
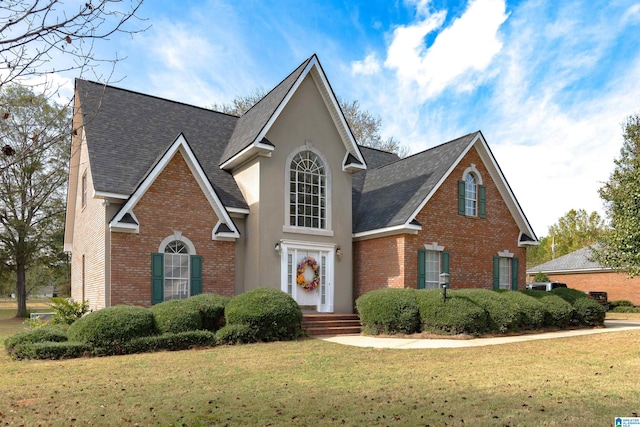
32 189
364 125
34 33
575 230
619 248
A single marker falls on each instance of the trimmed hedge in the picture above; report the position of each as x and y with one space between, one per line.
47 333
531 310
502 313
586 311
620 303
389 311
273 314
51 350
211 309
171 342
236 334
109 329
459 315
626 309
176 316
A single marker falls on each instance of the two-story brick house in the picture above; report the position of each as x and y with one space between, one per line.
168 200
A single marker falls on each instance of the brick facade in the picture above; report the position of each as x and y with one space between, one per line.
472 242
617 285
174 202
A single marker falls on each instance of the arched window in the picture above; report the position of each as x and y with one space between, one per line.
176 271
471 195
307 191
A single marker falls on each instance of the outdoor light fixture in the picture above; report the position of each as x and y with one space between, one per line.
277 247
339 251
444 283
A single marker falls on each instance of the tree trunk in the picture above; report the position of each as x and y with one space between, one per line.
21 291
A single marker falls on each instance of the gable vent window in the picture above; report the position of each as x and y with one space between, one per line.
307 191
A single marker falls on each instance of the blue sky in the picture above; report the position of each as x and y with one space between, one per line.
548 82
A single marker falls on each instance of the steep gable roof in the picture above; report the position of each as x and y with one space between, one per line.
393 194
128 132
248 138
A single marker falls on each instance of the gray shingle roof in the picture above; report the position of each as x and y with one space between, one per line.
128 132
391 193
254 120
578 260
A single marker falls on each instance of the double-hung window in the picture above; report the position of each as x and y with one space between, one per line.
505 272
175 273
431 263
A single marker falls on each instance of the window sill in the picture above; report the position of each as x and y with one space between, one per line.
303 230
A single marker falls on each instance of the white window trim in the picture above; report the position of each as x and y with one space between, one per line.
328 230
434 247
177 235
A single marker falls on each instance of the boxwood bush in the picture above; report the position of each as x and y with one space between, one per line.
459 315
176 316
51 350
47 333
107 330
273 314
211 309
236 334
620 303
171 342
531 311
586 311
502 313
389 311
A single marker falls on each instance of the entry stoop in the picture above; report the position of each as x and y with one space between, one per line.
319 324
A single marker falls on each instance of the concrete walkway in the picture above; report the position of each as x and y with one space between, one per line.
413 343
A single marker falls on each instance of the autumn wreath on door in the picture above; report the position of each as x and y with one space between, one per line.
301 280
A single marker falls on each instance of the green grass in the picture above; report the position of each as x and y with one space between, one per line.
584 381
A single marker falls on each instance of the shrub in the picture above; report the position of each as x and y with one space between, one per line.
558 312
107 330
47 333
171 342
66 310
236 334
502 314
569 295
619 303
588 312
541 277
176 316
389 311
459 315
51 350
531 311
625 309
211 309
273 314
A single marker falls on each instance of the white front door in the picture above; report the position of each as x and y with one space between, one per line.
307 274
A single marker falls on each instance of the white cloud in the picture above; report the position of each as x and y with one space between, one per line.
468 45
370 65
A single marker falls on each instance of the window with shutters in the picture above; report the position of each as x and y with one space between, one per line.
176 271
431 263
472 195
505 271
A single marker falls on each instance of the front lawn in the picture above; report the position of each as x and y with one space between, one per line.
584 381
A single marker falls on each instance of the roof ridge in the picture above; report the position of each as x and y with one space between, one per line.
146 95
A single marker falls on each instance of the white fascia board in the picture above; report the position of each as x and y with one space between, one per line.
253 150
108 195
503 187
181 145
327 92
389 231
573 271
241 211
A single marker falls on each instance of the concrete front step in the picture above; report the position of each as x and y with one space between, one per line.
331 324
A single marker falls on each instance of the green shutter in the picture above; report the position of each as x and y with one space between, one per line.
461 198
157 278
482 193
444 261
514 274
196 274
496 272
421 269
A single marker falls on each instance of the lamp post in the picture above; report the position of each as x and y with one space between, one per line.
444 284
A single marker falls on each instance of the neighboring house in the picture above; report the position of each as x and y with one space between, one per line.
579 271
168 200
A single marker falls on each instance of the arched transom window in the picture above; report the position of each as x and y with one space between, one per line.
307 191
176 271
